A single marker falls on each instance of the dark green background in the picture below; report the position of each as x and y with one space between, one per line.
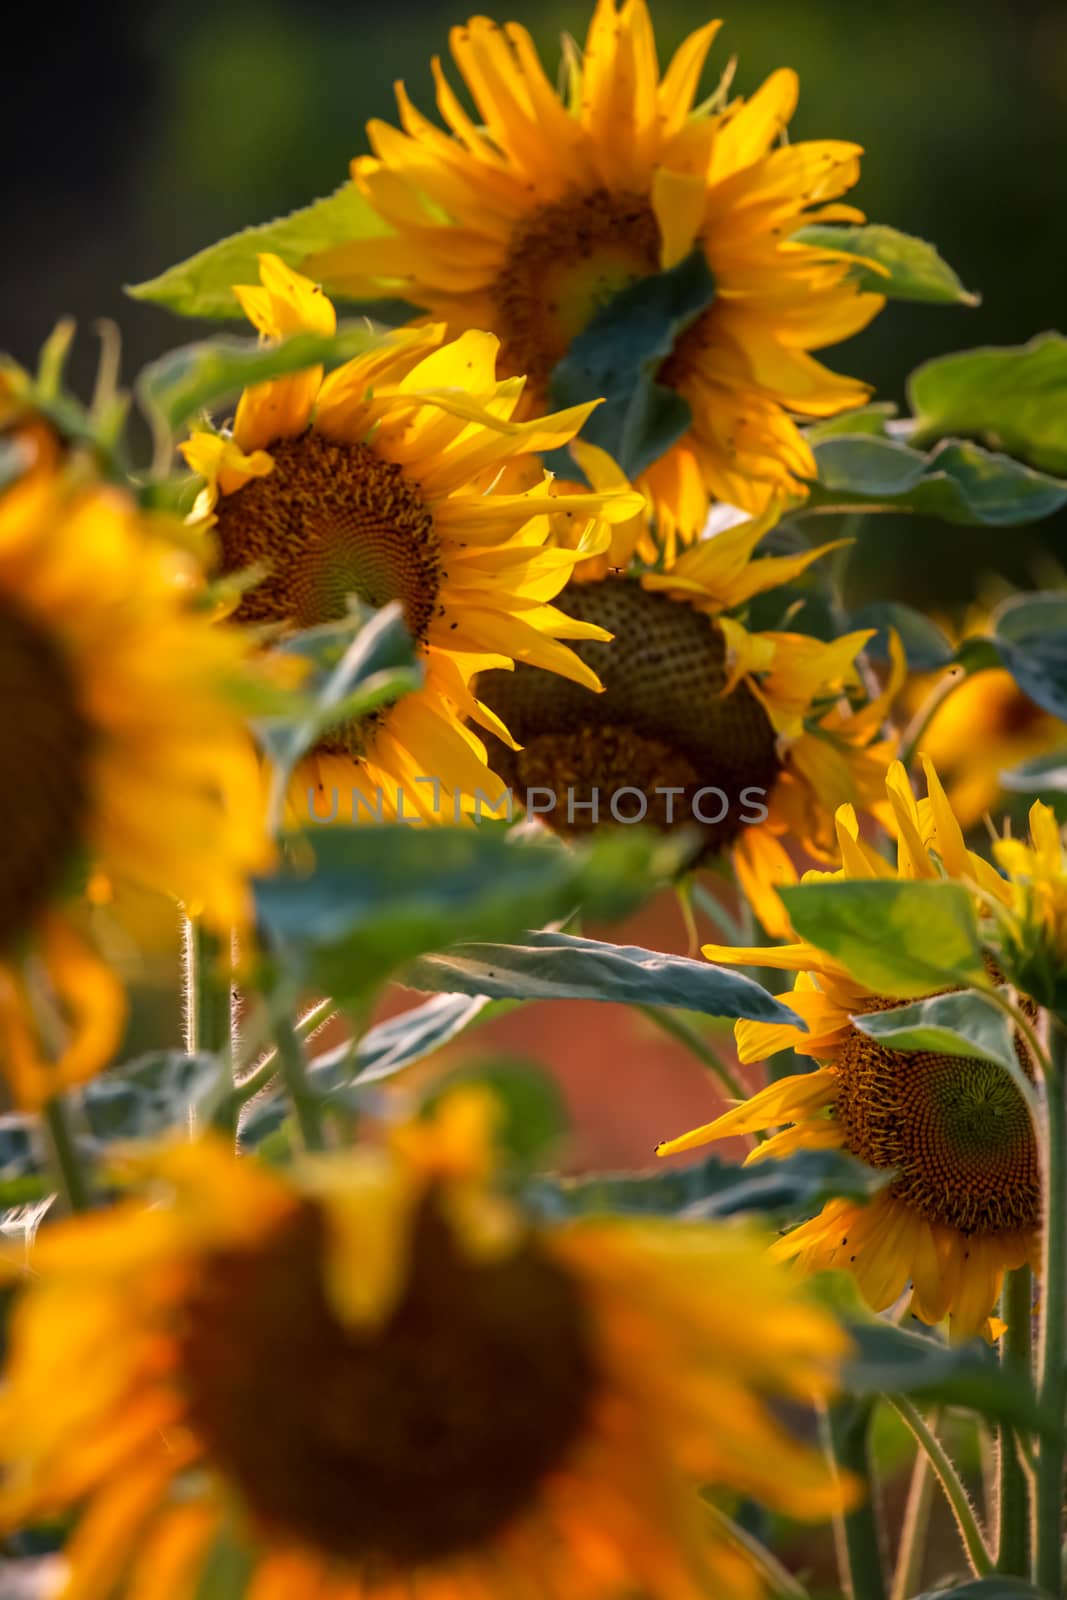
141 132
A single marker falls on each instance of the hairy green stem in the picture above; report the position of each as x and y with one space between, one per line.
292 1069
914 733
209 1005
1013 1493
1052 1384
945 1471
66 1162
779 1582
846 1431
909 1568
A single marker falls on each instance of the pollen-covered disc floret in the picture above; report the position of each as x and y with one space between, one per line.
954 1130
962 1202
380 1377
665 738
739 736
383 482
531 216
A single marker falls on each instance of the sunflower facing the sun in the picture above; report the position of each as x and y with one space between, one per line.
124 754
382 481
748 736
377 1378
532 222
964 1204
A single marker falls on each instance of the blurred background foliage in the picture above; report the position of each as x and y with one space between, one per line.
143 130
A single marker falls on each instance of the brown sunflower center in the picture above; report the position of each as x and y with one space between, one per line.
329 522
44 781
408 1444
956 1129
567 261
662 743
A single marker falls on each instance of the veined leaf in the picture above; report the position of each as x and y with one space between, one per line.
202 286
1012 397
1030 632
926 647
616 359
912 268
560 966
787 1190
363 901
890 1360
960 1024
957 482
900 939
198 376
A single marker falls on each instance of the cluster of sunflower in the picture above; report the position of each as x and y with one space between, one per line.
393 657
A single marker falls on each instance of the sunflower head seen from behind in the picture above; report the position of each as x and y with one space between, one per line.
382 482
962 1202
473 1402
541 213
124 755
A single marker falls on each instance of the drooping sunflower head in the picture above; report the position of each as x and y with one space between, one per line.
124 753
382 482
741 735
534 221
962 1201
381 1377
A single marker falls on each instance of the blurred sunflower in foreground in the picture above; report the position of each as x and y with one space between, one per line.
380 481
964 1205
532 221
745 736
380 1379
124 754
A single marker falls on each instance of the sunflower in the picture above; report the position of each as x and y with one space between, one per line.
380 1379
964 1205
746 736
532 222
1034 921
381 482
123 754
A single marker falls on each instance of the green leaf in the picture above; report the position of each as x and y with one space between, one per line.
1043 775
873 419
900 939
532 1111
371 898
616 358
913 268
926 647
202 286
957 482
959 1024
400 1041
994 1588
787 1190
1011 397
1030 632
892 1360
197 376
360 664
560 966
151 1095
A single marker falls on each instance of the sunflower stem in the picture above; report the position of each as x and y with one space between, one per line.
915 732
209 1004
909 1568
717 914
846 1431
66 1163
945 1471
668 1023
292 1069
1052 1385
1013 1495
